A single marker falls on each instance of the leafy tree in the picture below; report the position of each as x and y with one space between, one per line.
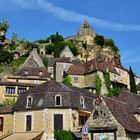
4 25
56 38
110 42
5 57
63 135
67 80
98 85
99 39
133 87
113 92
9 102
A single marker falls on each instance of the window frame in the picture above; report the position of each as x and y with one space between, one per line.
27 102
56 96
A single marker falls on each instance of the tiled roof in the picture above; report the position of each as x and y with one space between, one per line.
97 64
123 114
44 96
6 110
16 84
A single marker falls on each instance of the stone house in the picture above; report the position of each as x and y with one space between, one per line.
116 118
31 73
51 106
58 67
84 75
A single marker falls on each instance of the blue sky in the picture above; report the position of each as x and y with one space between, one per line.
116 19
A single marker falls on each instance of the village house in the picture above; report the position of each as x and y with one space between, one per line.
84 75
48 107
31 73
116 118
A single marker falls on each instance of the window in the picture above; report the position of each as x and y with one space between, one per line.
28 122
75 79
1 123
29 102
82 102
10 90
21 89
26 72
58 100
58 121
64 66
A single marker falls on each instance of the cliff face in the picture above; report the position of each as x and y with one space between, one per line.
86 35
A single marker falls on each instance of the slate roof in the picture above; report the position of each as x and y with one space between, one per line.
44 97
97 64
32 71
52 61
6 110
132 100
122 113
33 60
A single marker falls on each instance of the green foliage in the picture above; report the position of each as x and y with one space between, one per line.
99 39
56 38
133 87
16 63
1 69
4 25
63 135
9 102
45 61
67 80
107 80
72 46
110 42
5 57
113 92
98 85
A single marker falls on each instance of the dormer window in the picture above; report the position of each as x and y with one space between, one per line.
82 102
58 100
29 101
26 72
40 73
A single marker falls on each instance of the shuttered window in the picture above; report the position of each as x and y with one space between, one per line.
28 122
1 123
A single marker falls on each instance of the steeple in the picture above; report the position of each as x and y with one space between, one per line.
86 29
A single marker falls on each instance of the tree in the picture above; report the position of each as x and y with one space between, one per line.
133 87
4 25
99 40
98 85
110 42
67 80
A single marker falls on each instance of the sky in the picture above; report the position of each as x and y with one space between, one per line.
116 19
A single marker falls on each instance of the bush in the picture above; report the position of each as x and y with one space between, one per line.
98 85
10 102
63 135
67 80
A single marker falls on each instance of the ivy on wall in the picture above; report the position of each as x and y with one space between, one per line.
98 85
107 80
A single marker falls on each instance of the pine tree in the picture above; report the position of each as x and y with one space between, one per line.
133 87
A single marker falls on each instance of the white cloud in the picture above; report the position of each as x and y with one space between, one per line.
67 15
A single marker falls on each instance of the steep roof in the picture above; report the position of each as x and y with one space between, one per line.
44 96
33 60
131 99
123 114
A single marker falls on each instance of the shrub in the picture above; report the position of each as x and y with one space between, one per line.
98 84
63 135
99 39
67 80
113 92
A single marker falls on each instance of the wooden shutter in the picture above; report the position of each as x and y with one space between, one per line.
58 121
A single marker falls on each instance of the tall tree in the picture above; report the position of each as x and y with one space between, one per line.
133 87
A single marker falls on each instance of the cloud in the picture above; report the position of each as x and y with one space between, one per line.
72 16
